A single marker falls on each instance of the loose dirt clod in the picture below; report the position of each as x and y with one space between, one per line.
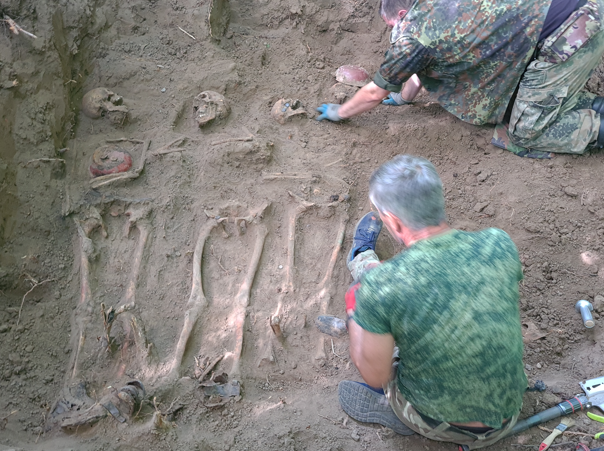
219 16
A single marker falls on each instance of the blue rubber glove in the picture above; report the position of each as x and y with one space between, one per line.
329 111
396 99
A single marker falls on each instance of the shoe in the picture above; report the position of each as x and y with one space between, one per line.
598 105
367 405
365 234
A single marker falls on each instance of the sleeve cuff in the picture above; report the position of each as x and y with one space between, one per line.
379 80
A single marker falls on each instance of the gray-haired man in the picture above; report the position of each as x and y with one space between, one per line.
448 302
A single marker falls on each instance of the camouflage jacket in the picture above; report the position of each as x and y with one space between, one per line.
468 54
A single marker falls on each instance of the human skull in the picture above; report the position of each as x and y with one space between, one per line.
110 159
352 75
285 109
210 105
100 102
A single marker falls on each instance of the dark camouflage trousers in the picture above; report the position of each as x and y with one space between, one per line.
552 112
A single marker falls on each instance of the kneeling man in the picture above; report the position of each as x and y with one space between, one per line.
448 303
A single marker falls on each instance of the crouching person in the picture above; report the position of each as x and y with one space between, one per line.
448 304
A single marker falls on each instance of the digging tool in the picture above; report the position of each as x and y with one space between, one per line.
594 397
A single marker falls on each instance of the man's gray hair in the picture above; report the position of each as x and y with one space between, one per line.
409 188
390 8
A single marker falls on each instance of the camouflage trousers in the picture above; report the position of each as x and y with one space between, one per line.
442 432
362 263
552 112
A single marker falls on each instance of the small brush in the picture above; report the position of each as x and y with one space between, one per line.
563 426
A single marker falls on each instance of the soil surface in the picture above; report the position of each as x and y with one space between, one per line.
303 176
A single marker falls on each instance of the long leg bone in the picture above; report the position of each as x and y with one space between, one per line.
242 299
83 311
197 301
288 286
130 325
324 294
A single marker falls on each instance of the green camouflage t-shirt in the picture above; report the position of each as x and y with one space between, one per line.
451 304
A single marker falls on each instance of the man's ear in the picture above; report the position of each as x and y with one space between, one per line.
392 222
402 13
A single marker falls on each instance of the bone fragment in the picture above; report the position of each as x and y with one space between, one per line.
210 366
232 140
197 301
324 294
15 29
120 140
286 176
242 299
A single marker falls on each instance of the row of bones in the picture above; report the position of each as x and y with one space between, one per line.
132 327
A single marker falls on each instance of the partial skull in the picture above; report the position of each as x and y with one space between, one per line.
353 76
285 109
208 106
110 159
101 102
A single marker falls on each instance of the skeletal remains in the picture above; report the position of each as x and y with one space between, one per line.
133 332
101 102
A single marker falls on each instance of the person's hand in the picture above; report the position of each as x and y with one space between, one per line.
395 99
329 111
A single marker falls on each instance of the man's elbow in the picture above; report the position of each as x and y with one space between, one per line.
375 92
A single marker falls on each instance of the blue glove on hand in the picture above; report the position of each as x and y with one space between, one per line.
329 111
396 99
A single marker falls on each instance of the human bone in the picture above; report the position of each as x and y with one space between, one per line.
285 109
100 102
352 75
210 105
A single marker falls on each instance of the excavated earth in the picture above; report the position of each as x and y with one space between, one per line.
158 56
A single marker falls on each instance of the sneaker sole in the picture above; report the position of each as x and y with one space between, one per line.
367 406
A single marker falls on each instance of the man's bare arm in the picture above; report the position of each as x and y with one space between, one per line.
372 354
411 88
368 97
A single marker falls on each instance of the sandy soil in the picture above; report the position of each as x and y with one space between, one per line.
553 210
